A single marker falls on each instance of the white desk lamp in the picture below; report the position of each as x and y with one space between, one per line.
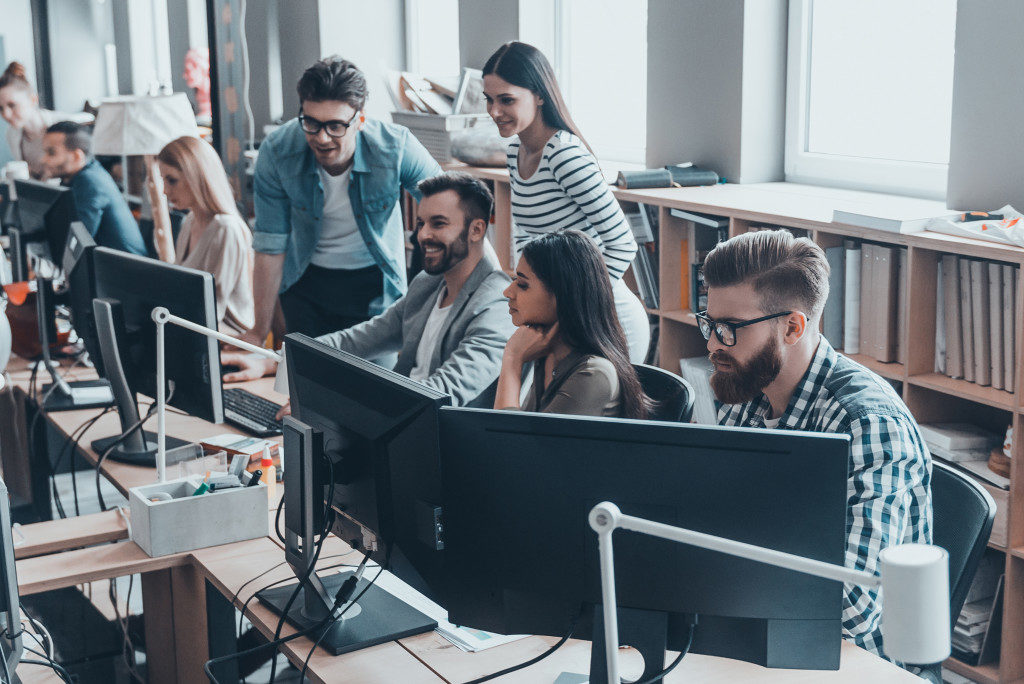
135 125
162 317
914 579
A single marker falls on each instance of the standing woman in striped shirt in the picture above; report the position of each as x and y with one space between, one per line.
556 181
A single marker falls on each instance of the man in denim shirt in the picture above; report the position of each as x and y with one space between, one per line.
329 235
773 369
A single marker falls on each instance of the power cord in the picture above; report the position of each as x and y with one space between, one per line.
679 658
532 661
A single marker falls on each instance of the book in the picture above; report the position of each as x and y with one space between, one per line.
884 294
902 287
966 318
995 332
469 97
940 320
960 456
895 222
952 324
685 275
980 321
716 222
957 436
1009 326
851 298
868 304
697 371
832 317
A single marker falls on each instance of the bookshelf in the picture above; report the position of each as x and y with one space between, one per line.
931 397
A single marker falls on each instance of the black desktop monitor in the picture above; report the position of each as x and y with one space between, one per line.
10 614
128 288
521 557
45 212
378 430
79 273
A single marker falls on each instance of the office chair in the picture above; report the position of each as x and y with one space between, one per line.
672 395
962 514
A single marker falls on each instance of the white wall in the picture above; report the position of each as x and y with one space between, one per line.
78 33
372 36
16 30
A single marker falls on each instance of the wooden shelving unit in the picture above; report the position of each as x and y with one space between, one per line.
807 210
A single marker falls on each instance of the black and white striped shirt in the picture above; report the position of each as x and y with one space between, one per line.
568 191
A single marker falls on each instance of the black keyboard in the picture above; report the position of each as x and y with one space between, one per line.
251 413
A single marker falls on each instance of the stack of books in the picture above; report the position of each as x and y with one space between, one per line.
958 442
976 306
977 632
644 223
708 231
972 625
866 308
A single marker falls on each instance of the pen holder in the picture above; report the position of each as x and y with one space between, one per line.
187 522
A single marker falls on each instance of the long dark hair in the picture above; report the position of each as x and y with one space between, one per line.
570 266
525 66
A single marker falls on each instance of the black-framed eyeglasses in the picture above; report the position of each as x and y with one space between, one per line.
725 331
336 128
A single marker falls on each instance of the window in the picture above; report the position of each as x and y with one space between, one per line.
432 38
598 49
870 91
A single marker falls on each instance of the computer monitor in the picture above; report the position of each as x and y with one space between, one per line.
45 213
521 557
378 430
79 275
10 613
128 288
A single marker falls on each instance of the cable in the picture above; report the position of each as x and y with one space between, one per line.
327 628
61 672
244 44
125 435
71 443
542 656
127 648
679 658
7 668
277 521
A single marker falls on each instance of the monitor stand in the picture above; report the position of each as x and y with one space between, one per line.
62 395
379 617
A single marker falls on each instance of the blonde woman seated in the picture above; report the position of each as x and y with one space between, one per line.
213 237
562 304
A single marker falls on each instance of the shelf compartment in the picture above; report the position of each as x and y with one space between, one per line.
892 371
680 315
967 390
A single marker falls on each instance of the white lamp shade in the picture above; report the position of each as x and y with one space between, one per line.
142 124
915 608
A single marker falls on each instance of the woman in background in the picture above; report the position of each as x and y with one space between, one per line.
561 302
19 107
556 182
213 237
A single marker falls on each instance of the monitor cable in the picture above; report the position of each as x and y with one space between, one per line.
533 661
679 658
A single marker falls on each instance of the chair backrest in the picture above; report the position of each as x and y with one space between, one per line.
672 394
962 514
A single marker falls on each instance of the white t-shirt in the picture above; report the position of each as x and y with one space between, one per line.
429 339
341 244
772 423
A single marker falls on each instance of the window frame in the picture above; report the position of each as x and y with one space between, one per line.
916 179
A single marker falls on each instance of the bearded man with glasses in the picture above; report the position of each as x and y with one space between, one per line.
329 236
773 369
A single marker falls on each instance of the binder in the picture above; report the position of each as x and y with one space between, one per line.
995 303
951 314
940 321
851 298
867 303
832 323
980 318
884 300
902 283
1010 285
966 318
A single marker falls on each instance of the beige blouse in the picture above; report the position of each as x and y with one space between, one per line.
580 385
225 250
30 150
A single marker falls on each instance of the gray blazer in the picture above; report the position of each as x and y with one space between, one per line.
468 358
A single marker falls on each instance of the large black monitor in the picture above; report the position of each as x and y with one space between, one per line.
378 431
79 275
522 558
45 212
128 288
10 614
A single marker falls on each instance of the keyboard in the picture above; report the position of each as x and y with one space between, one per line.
251 413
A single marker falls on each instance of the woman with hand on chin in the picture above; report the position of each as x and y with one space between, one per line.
556 182
561 301
214 237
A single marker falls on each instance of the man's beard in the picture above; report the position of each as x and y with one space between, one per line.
453 253
746 382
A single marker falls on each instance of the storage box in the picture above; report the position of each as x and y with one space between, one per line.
189 522
435 130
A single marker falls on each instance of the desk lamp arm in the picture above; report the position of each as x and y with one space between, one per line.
161 316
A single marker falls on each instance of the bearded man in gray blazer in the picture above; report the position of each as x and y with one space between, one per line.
451 327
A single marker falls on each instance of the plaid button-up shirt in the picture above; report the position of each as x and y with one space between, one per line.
889 489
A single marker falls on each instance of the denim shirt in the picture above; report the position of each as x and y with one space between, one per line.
290 199
102 209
